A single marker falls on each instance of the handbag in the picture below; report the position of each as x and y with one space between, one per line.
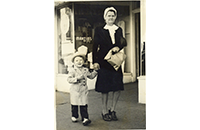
115 59
118 58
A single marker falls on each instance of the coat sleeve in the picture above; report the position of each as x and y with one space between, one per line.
122 40
71 78
91 75
96 46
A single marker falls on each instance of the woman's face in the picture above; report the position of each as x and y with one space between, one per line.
110 17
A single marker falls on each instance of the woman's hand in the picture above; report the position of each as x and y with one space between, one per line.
96 66
115 49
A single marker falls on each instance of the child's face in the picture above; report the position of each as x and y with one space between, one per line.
78 61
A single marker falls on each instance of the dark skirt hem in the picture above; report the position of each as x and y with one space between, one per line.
108 91
109 80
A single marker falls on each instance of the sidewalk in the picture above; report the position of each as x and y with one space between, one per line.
130 113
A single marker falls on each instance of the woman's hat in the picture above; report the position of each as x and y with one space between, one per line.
108 9
78 54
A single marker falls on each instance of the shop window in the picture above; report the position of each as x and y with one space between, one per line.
87 18
76 25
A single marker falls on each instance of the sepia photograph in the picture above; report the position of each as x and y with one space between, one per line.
100 75
85 65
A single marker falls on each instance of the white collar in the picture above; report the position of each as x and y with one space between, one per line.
113 27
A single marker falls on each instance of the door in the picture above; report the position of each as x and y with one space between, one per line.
137 41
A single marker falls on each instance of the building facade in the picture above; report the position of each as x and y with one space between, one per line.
75 23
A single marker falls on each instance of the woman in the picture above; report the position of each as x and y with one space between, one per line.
109 80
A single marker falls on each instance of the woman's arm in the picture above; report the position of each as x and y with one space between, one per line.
122 41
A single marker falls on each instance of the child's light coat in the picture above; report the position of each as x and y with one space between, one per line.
79 88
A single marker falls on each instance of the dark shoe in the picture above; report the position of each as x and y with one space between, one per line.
113 115
86 122
106 117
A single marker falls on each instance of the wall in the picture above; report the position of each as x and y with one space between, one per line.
55 48
128 49
142 79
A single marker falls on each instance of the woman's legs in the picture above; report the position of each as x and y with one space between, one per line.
105 113
104 103
115 98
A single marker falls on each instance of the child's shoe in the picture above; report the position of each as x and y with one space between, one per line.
86 122
74 119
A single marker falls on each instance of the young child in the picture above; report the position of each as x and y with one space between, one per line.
79 90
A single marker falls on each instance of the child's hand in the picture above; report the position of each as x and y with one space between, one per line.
80 77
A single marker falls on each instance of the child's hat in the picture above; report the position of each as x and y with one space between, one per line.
78 54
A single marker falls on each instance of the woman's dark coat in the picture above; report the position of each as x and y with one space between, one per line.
108 78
